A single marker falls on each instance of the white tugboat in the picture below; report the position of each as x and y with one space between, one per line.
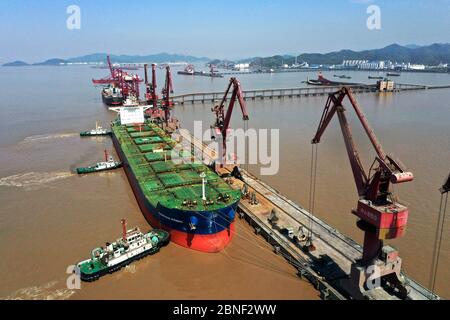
133 245
98 131
108 164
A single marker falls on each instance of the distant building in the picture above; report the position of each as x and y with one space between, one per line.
381 65
415 66
353 63
373 65
242 66
300 65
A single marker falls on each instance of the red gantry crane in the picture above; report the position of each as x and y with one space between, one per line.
381 216
128 83
222 122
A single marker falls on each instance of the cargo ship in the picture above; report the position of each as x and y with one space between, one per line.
190 71
188 200
322 81
112 96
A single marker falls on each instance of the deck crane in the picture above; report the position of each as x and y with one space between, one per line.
166 104
380 215
222 122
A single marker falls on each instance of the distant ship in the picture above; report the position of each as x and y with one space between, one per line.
112 95
322 81
393 74
342 76
190 71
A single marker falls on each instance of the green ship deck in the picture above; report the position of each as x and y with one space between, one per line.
174 185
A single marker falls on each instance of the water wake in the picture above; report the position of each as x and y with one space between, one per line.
48 291
130 269
33 180
45 137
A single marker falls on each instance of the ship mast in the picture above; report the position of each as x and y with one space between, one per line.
124 229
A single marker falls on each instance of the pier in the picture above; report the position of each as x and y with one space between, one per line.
328 266
298 92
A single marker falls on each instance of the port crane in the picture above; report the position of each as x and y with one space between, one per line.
150 88
114 77
222 122
380 216
166 104
128 83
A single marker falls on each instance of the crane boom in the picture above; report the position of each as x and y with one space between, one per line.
389 170
111 69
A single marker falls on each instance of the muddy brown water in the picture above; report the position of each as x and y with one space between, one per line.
50 218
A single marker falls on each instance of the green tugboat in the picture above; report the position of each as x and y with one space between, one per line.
108 164
133 245
98 131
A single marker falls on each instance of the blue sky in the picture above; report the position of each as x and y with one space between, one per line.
34 30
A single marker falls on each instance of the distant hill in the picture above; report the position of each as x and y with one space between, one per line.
428 55
157 58
51 62
17 63
412 46
101 58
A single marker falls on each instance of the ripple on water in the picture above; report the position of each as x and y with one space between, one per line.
33 180
47 291
45 137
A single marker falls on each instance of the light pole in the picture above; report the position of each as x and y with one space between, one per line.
203 176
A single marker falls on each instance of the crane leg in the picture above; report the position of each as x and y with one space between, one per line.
380 266
371 248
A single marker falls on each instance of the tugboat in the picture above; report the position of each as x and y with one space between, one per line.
98 131
133 245
112 96
108 164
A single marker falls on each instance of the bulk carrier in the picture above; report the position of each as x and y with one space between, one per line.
189 199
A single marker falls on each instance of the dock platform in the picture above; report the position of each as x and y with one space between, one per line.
328 266
298 92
